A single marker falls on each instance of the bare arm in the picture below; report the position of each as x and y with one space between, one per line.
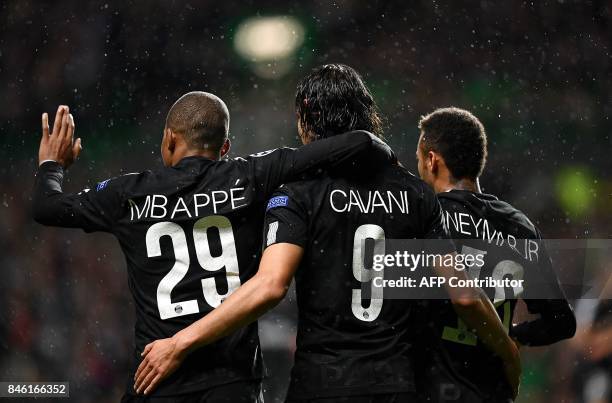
478 313
251 300
255 297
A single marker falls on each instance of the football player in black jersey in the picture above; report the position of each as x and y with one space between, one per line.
190 232
352 345
451 155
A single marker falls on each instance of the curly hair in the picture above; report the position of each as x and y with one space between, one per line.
459 137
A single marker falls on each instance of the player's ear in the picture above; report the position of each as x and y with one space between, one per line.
227 144
165 138
166 152
172 140
431 161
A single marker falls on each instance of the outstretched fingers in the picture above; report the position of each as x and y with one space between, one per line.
76 148
59 118
45 127
64 131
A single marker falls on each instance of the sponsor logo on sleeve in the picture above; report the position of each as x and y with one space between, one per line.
102 185
278 201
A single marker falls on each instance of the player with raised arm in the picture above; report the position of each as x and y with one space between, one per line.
190 232
352 344
451 155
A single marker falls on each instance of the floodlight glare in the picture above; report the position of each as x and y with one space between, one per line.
261 39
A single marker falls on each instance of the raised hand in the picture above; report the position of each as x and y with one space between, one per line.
59 145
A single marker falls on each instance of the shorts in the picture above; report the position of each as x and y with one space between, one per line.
235 392
436 384
378 398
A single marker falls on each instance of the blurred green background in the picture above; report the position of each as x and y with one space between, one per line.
538 75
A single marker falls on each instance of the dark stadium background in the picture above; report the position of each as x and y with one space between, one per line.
538 74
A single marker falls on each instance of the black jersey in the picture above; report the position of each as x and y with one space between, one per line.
351 341
191 234
481 223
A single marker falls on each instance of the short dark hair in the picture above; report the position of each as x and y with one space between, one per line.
202 118
333 99
459 137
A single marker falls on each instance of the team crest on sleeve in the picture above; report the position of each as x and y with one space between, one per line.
102 185
278 201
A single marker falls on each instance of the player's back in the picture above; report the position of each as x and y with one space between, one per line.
511 248
190 234
350 339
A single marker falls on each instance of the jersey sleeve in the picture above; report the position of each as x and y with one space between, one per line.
270 169
286 220
91 210
557 320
